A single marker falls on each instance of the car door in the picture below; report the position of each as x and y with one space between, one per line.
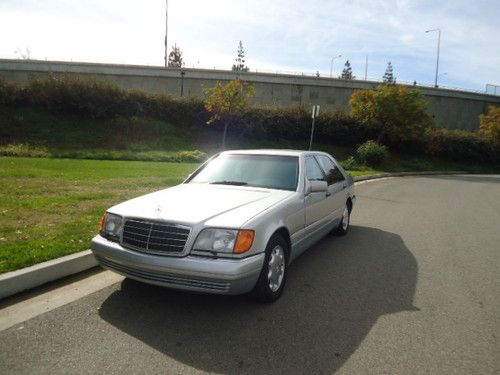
315 207
337 185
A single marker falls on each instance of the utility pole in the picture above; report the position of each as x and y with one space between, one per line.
366 67
437 60
166 33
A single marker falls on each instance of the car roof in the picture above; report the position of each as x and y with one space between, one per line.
271 152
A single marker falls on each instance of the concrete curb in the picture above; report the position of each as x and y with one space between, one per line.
403 174
31 277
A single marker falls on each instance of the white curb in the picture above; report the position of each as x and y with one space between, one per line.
402 174
30 277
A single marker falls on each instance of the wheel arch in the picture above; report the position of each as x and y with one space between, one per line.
349 204
283 232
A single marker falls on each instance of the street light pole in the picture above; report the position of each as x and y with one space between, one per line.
166 33
331 64
366 68
183 73
437 60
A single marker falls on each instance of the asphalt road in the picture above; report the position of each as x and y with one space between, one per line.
413 288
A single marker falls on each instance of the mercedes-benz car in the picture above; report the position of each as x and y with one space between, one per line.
233 226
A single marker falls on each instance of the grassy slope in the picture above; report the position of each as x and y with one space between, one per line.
34 132
51 207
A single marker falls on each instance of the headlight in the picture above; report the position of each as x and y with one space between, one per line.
224 240
111 226
219 240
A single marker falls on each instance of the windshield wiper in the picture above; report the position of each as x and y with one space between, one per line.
235 183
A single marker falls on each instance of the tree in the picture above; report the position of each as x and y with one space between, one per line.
175 58
239 65
23 54
388 75
395 113
490 124
347 72
225 101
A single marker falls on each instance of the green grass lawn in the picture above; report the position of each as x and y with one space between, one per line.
51 207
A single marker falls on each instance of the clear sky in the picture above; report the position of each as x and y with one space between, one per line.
283 35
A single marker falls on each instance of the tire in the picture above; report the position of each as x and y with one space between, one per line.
343 227
274 272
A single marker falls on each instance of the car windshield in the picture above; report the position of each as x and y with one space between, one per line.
267 171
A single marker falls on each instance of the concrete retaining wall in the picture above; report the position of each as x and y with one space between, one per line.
452 109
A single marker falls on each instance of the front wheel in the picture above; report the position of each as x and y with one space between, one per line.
344 223
274 271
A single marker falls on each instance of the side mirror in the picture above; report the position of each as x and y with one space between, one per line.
317 186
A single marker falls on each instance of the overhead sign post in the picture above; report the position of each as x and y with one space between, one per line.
315 113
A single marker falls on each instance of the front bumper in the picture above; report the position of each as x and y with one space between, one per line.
193 273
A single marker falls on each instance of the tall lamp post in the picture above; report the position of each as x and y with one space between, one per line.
437 60
166 34
183 73
331 64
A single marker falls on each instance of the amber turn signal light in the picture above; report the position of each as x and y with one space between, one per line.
244 241
102 222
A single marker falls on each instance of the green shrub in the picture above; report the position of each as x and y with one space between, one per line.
97 99
396 113
24 150
350 163
195 156
127 118
371 153
27 150
8 92
90 98
460 145
490 124
294 123
76 95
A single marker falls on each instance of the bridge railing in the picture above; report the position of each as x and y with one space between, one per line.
490 89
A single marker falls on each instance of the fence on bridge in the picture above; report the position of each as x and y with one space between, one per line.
492 89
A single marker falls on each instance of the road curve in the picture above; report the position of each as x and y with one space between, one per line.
412 288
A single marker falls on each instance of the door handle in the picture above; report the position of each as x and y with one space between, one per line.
344 186
328 193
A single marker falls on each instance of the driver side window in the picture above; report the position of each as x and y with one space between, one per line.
313 170
333 174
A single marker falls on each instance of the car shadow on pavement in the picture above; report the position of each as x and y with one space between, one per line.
335 293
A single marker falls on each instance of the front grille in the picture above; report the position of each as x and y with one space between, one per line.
154 237
167 279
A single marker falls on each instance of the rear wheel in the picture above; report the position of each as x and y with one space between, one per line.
274 271
344 222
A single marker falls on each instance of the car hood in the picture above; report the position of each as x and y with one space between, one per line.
213 205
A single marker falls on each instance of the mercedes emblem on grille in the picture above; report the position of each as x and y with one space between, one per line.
158 210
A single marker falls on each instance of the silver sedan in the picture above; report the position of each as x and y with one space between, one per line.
233 226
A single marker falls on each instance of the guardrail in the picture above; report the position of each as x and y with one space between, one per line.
490 89
318 74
